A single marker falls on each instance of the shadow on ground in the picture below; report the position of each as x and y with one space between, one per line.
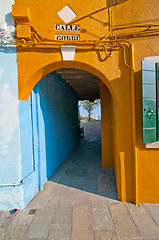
83 168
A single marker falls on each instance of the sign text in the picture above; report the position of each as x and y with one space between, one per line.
67 37
63 27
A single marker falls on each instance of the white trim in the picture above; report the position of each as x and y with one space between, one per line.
152 59
152 145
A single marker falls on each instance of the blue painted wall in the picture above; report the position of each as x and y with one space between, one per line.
19 179
10 152
11 188
48 130
29 148
57 111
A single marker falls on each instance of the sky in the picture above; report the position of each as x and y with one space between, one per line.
96 112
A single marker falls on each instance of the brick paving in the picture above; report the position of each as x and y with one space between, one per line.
79 202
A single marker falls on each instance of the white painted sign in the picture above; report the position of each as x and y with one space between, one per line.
63 27
66 14
67 37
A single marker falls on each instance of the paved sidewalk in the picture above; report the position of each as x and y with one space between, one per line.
80 202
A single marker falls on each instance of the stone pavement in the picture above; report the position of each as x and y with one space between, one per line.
80 202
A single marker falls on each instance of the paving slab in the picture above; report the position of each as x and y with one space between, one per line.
6 219
41 224
113 186
111 173
103 184
62 215
153 210
90 184
61 227
60 232
1 233
74 200
101 218
105 172
145 224
15 233
100 206
82 223
75 191
105 235
48 189
109 198
71 181
61 189
23 218
58 174
60 235
77 172
34 238
40 202
124 224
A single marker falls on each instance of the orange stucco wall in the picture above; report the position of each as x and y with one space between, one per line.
135 167
107 126
147 159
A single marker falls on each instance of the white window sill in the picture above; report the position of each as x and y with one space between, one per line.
152 145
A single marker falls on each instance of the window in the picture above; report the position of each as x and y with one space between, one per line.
150 101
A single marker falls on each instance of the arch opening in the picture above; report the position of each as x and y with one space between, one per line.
27 87
55 105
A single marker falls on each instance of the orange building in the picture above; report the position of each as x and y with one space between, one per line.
114 43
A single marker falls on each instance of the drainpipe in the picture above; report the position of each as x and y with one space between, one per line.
135 170
40 174
11 185
20 183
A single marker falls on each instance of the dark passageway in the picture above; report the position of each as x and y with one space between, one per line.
78 176
81 178
83 168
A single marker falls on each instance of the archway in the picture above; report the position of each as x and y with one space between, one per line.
57 137
25 90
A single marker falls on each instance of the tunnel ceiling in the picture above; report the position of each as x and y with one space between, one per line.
84 83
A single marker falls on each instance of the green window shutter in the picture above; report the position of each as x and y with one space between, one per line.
157 110
149 102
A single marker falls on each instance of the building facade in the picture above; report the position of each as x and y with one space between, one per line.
115 41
